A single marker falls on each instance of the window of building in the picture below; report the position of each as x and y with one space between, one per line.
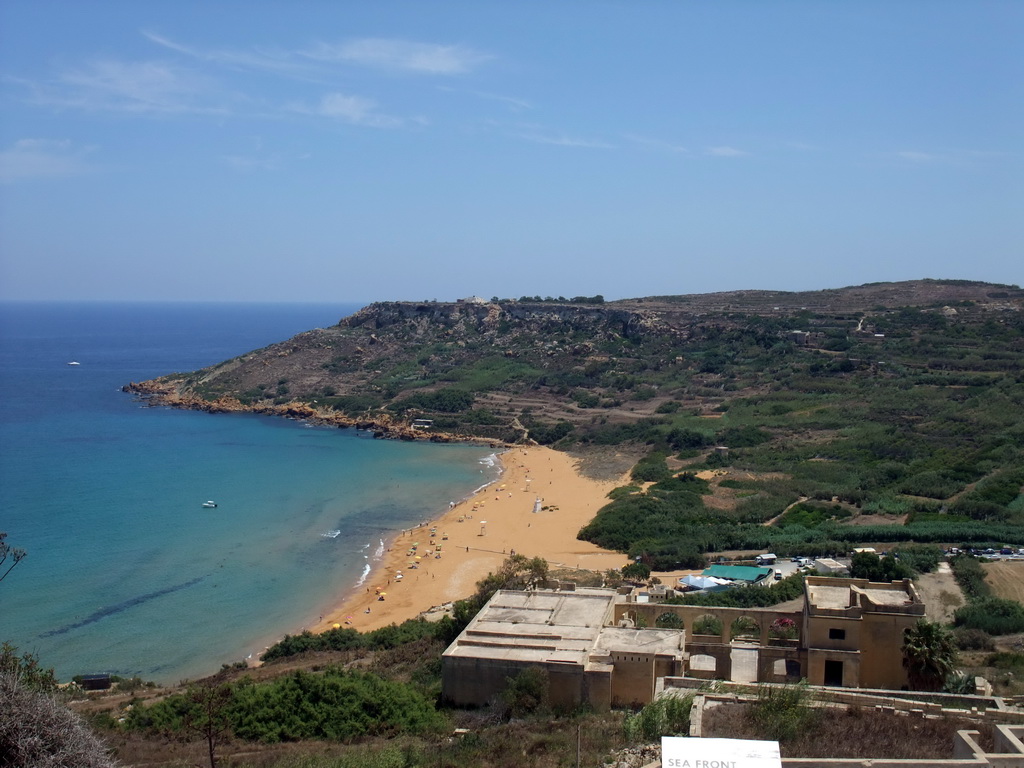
836 634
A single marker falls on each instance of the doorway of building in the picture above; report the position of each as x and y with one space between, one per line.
833 673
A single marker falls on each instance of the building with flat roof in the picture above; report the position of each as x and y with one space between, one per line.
853 631
569 635
848 632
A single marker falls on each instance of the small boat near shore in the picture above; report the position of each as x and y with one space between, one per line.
209 504
74 362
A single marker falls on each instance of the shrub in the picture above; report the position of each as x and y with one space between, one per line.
973 640
638 571
527 692
1006 660
667 716
868 565
745 626
783 628
669 620
651 469
38 730
923 558
971 577
707 625
994 615
743 437
26 670
783 712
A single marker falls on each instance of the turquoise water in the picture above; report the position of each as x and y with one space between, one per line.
127 572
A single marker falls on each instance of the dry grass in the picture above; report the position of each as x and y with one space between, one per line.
859 519
851 733
1006 577
536 743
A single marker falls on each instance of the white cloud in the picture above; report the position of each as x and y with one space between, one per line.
355 110
41 158
947 156
561 140
275 60
659 145
725 152
140 87
401 55
514 104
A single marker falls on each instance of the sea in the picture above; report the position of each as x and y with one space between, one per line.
127 572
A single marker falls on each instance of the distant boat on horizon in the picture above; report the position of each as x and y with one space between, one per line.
74 362
209 504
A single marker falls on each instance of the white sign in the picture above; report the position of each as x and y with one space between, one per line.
677 752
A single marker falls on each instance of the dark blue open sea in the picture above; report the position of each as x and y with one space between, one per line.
127 572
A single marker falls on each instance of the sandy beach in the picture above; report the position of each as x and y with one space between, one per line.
475 536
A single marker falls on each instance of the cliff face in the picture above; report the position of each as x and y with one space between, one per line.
510 370
499 319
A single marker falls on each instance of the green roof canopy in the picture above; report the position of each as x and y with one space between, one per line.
747 573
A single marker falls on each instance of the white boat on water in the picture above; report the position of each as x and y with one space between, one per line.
74 362
209 504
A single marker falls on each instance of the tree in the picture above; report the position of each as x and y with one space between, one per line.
26 670
517 572
208 714
868 565
929 655
6 550
636 571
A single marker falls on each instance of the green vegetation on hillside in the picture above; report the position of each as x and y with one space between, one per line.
814 410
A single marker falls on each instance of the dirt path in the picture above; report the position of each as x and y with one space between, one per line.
940 593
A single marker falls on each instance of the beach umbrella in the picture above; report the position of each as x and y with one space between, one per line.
338 626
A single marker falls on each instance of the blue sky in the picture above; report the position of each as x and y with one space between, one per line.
344 151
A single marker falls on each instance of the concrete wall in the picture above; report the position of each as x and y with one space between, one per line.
566 685
633 678
820 627
849 659
649 613
881 649
476 682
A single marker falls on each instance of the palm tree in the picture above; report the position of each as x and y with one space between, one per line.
929 655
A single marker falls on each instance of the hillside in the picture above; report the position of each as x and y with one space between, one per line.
891 411
479 368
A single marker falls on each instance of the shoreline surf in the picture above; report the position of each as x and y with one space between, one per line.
475 535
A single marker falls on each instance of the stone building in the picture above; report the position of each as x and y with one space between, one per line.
569 635
848 632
